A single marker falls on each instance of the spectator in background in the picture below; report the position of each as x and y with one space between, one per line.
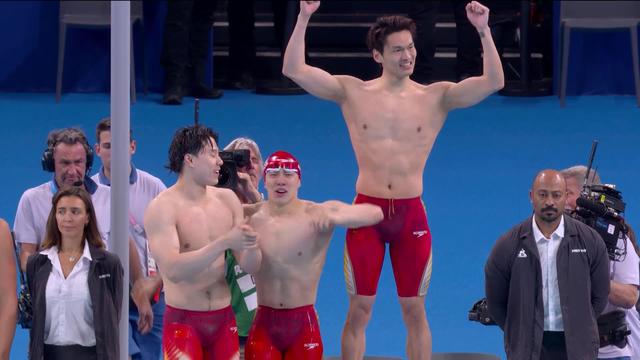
547 280
184 50
468 58
147 307
69 156
244 300
624 273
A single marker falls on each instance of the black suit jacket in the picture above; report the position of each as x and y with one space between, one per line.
105 288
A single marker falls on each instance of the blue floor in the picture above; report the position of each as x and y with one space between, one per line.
476 181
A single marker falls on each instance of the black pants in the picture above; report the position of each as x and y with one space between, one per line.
553 346
75 352
242 47
469 62
185 39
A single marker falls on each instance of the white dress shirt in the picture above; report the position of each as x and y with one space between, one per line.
548 250
69 312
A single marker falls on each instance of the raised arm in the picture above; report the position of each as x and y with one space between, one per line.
353 216
165 245
471 91
8 300
314 80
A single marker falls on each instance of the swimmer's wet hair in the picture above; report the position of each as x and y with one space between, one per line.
188 140
385 26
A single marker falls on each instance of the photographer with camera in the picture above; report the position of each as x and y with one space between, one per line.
244 298
624 270
8 301
634 314
547 280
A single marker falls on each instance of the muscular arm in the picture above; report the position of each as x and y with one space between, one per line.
165 246
8 300
314 80
353 216
473 90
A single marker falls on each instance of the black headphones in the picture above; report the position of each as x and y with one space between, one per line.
68 135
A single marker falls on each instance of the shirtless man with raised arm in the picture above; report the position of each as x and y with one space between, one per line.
294 237
393 121
189 227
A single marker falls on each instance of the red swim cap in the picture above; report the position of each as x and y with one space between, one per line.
282 160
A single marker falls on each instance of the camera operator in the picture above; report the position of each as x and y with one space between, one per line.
633 315
567 261
244 300
624 274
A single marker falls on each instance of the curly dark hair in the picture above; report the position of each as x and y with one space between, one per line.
385 26
188 140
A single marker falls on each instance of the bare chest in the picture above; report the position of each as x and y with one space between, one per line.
199 225
287 242
376 116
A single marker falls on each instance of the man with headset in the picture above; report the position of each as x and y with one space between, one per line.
69 156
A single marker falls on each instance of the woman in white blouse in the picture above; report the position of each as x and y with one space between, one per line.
75 285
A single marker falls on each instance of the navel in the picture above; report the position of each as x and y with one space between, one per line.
419 128
389 186
364 126
299 253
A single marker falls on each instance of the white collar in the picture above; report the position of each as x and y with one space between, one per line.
558 233
53 252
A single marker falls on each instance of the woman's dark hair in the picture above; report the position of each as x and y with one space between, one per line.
188 140
52 236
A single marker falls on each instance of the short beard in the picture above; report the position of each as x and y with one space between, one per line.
549 218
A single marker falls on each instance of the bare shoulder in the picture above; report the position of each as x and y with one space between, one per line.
332 204
223 194
350 82
5 235
436 88
226 197
160 209
4 227
310 205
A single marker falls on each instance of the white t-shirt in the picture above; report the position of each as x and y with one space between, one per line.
143 187
623 272
633 319
30 222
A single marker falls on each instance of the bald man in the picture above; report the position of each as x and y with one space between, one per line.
547 280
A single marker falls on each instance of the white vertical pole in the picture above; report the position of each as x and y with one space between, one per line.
120 158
